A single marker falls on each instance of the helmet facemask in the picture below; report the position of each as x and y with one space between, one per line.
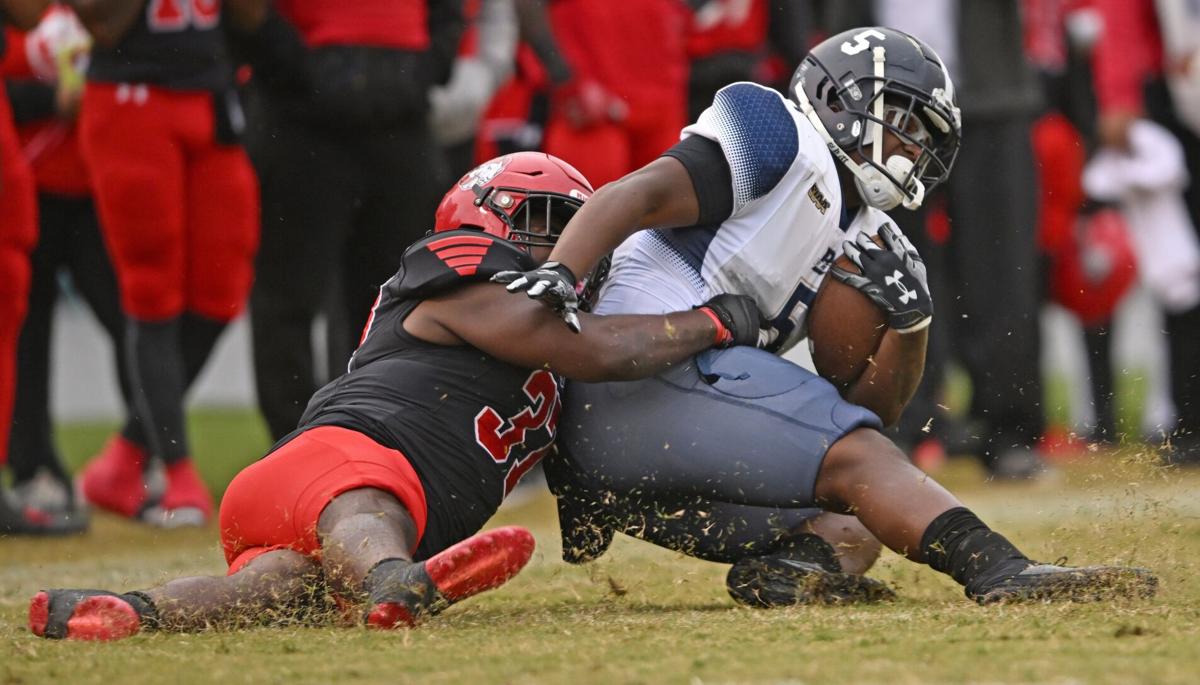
533 218
929 122
538 220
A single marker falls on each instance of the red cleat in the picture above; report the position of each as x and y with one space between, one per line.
115 479
186 501
409 592
82 615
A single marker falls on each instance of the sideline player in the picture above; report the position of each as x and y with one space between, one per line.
451 397
178 206
18 235
758 199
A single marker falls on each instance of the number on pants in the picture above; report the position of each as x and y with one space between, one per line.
177 15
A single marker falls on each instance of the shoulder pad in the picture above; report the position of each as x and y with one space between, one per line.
758 133
446 260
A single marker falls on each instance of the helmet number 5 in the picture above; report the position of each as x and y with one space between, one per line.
860 41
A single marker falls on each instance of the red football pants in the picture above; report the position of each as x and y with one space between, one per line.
179 211
18 235
606 152
276 502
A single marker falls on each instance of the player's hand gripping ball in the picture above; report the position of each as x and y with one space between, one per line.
844 329
892 274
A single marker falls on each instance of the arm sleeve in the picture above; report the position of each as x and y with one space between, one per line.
711 179
758 137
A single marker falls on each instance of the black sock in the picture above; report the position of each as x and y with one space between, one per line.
157 379
958 544
392 576
812 548
144 606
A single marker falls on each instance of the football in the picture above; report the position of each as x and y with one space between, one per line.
845 328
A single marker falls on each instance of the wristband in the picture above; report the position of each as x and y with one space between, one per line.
724 336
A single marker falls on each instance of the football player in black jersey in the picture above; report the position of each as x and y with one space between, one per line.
452 395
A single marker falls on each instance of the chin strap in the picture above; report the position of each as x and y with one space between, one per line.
876 189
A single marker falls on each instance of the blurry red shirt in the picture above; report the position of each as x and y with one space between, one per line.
637 50
1129 52
396 24
730 25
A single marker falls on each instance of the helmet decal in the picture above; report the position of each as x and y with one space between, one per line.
483 174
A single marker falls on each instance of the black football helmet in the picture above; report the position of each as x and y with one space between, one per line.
856 84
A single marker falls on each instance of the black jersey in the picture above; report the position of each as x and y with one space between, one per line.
470 424
175 44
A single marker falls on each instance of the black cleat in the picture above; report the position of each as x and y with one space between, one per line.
1051 583
772 581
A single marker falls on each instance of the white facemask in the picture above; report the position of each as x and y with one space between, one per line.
880 192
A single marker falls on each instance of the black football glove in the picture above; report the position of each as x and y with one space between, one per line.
740 317
552 284
893 277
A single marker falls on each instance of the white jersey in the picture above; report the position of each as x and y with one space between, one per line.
786 230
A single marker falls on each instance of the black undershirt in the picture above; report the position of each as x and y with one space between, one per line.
711 178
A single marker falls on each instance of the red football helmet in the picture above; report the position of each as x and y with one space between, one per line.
504 196
1091 276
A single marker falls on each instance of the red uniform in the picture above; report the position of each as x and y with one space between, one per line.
636 50
18 235
740 25
395 24
447 430
178 201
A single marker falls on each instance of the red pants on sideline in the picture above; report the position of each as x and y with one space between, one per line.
18 236
275 503
179 210
605 152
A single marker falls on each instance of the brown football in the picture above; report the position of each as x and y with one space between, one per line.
845 327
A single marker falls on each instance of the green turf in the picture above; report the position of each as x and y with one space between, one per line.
643 615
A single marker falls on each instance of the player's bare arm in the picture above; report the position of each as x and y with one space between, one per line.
23 14
660 194
892 375
609 348
892 275
107 20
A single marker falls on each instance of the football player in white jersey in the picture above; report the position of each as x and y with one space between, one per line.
733 456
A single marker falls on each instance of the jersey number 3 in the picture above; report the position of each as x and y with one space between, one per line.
177 15
498 436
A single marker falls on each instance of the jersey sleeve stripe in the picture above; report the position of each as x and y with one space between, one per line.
459 240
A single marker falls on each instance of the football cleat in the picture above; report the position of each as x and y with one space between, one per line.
185 501
82 615
20 518
1052 583
115 479
405 594
773 581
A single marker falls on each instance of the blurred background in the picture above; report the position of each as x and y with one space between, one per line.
1063 252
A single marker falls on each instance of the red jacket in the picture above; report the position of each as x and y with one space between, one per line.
1129 52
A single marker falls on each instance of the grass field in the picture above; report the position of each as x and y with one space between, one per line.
643 615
